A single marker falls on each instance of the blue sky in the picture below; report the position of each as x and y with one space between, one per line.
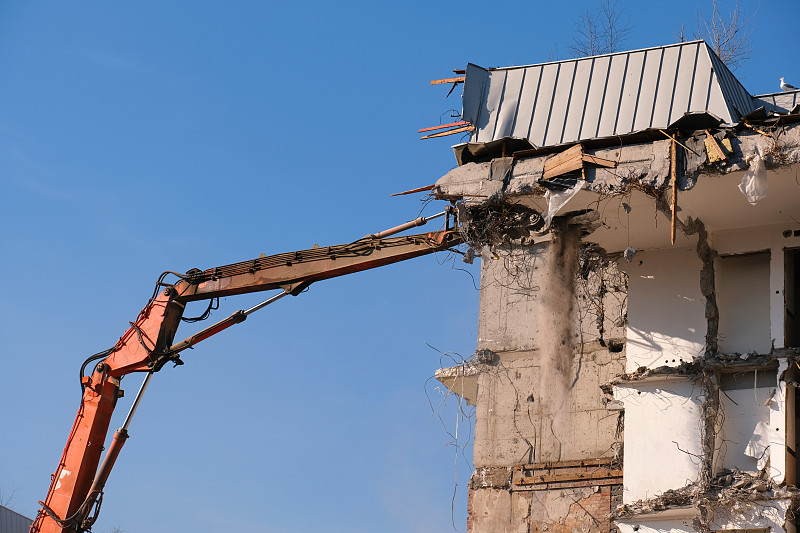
165 136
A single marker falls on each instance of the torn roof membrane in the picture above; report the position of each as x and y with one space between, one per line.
616 94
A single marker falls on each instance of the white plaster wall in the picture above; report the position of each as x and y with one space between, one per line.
765 514
754 414
769 515
763 238
777 418
660 418
666 310
745 418
657 526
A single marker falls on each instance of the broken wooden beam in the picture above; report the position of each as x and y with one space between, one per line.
673 154
461 123
572 159
550 465
601 473
459 79
418 189
762 132
599 161
570 484
569 160
448 132
677 141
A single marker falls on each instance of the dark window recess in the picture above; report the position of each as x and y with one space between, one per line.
791 297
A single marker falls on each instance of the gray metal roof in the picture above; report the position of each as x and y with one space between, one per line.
613 94
782 102
11 522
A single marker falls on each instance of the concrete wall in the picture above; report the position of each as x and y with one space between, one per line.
560 332
568 510
540 400
522 418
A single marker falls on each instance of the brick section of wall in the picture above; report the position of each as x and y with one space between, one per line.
566 497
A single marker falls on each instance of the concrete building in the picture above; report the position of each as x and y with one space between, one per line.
638 220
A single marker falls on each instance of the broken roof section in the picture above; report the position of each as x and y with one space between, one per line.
782 102
615 94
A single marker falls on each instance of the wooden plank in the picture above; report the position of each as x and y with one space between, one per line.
576 476
448 132
762 132
599 161
673 153
459 79
566 155
460 71
563 168
567 464
573 485
419 189
462 123
566 161
680 143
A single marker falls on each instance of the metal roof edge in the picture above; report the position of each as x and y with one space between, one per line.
722 63
597 56
470 64
775 93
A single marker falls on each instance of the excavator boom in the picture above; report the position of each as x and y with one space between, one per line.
76 488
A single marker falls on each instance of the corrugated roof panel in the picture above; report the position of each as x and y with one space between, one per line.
594 101
509 104
716 99
782 102
685 82
768 101
565 101
544 101
702 82
572 96
494 96
666 87
472 98
608 114
577 103
738 100
630 93
647 91
13 522
527 101
558 110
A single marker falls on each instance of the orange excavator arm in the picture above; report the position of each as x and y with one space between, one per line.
76 488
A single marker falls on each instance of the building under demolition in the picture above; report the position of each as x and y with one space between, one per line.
638 220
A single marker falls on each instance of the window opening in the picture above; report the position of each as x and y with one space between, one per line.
743 303
791 298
